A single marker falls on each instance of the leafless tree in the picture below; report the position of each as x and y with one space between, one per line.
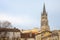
5 24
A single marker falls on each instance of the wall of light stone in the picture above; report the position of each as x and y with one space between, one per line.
10 35
38 37
28 38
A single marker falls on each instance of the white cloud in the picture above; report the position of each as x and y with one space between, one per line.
22 20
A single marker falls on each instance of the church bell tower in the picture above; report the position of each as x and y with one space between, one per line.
44 20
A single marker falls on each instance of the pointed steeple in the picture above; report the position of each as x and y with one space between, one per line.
44 10
44 20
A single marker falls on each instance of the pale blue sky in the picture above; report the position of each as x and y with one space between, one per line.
26 14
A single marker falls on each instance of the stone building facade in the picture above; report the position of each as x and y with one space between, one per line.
27 36
10 34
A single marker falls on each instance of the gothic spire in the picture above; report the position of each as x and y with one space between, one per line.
44 20
44 10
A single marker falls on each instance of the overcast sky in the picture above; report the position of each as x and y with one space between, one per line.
26 14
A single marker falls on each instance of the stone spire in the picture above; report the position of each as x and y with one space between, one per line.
44 20
44 10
